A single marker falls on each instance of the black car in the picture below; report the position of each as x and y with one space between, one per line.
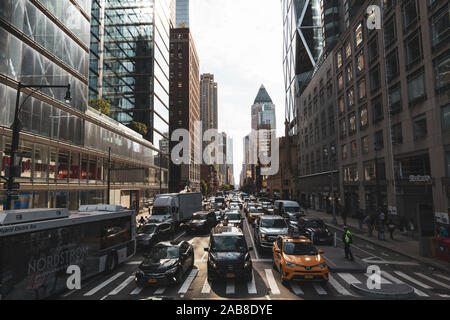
229 256
152 233
267 230
234 218
166 263
201 221
292 220
316 230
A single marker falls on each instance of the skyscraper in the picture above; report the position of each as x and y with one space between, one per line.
182 15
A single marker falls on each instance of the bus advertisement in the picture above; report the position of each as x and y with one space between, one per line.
37 246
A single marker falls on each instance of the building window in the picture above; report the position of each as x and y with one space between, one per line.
439 27
410 11
378 140
373 49
375 82
420 127
329 89
180 84
416 87
395 99
360 62
349 72
339 59
377 109
351 174
352 122
445 116
442 71
363 117
348 49
369 172
359 34
340 82
390 32
341 105
392 65
365 145
343 128
350 98
396 132
344 152
413 49
362 89
354 149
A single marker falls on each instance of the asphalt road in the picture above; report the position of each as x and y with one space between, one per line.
266 284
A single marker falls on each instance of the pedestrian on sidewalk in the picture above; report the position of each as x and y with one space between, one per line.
411 228
371 223
391 227
380 224
347 238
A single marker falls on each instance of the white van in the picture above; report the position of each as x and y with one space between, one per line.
283 206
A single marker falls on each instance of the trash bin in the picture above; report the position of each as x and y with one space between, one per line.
443 248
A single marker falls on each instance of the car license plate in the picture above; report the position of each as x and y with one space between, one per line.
308 277
230 275
152 280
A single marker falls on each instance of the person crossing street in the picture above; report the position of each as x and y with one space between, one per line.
347 238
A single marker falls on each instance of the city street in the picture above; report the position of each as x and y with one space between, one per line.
266 284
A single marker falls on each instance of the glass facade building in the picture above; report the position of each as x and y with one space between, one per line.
63 147
182 15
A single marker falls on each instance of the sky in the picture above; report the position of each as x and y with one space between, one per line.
240 42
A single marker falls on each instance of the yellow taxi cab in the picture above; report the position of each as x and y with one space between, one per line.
253 214
298 259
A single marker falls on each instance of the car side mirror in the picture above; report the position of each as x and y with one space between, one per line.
206 249
321 251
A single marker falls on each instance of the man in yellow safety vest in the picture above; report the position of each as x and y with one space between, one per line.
347 238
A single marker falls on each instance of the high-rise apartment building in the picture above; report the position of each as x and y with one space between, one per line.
184 105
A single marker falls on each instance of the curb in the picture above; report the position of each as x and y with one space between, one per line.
429 263
391 291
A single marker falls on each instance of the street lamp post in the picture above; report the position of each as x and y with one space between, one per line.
16 127
331 165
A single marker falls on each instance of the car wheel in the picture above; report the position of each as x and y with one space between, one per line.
282 278
111 263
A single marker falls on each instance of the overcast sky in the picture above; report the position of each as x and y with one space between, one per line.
240 42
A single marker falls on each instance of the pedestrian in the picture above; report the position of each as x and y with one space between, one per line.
347 238
411 228
370 223
381 225
391 227
142 221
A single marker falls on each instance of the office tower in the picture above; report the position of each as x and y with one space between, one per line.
182 14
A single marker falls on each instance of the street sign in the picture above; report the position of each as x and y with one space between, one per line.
13 192
15 186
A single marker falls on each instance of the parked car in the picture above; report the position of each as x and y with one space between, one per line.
166 263
228 254
267 229
202 221
296 258
316 230
152 233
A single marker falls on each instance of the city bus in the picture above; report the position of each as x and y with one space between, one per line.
38 245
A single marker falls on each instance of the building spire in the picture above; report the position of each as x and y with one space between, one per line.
262 96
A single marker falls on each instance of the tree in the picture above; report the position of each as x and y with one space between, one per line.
101 105
139 127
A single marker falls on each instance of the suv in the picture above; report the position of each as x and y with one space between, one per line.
201 221
229 256
316 230
152 233
267 229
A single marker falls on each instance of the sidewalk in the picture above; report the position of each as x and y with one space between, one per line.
402 244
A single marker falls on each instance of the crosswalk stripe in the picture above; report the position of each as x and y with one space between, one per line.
296 288
137 291
383 280
321 291
103 284
160 290
443 277
119 288
251 285
187 283
433 280
230 287
206 287
272 283
134 262
405 276
336 285
398 281
349 278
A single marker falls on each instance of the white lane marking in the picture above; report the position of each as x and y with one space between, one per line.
120 287
103 284
187 283
272 283
134 262
104 297
296 288
398 281
203 257
439 283
383 280
251 285
230 287
160 290
182 234
320 291
136 291
262 260
404 276
206 287
349 278
251 238
336 285
444 295
384 254
443 277
267 297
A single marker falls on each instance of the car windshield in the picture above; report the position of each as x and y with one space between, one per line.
202 216
254 210
229 244
162 252
273 223
160 211
221 200
291 209
146 229
314 224
233 216
299 248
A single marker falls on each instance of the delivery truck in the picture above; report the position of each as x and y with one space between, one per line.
175 208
